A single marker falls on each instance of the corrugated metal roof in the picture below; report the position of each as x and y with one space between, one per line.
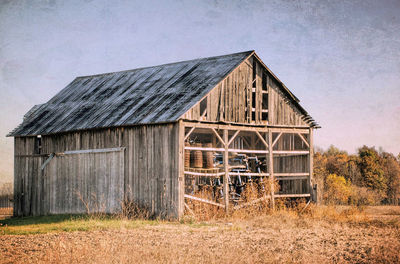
140 96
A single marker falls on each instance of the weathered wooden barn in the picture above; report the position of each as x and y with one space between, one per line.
157 135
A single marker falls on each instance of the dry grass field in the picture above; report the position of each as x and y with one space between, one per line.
318 235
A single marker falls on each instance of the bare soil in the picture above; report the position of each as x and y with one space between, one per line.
282 238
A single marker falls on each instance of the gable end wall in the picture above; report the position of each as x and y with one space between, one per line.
231 100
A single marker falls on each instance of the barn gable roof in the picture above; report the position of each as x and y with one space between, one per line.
155 94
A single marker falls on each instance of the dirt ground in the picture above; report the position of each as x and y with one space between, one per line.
266 239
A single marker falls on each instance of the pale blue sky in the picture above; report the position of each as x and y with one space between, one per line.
340 58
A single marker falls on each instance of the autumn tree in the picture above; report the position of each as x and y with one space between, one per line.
373 177
340 163
354 173
391 170
337 189
337 161
371 168
320 172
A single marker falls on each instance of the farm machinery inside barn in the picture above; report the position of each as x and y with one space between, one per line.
250 167
243 166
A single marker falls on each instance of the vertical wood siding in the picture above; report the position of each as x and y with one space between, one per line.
281 110
149 166
231 100
84 183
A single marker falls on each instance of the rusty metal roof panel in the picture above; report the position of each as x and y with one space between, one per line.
140 96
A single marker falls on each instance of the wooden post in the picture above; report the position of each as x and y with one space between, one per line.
181 174
311 163
271 168
226 169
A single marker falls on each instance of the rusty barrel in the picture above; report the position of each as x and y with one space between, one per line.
198 157
209 159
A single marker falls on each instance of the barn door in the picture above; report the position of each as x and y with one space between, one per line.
28 186
85 181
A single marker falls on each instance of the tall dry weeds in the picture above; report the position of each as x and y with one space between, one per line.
254 201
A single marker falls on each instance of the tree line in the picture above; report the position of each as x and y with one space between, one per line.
366 178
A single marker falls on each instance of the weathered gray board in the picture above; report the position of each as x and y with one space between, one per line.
150 169
86 182
29 185
71 183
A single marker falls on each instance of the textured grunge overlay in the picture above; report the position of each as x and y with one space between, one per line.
341 58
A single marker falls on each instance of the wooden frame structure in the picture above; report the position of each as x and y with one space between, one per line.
130 136
268 142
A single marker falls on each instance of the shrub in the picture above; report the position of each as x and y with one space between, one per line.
337 190
363 196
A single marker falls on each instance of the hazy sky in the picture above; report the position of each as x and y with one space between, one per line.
340 58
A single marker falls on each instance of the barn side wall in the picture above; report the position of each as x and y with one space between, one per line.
150 170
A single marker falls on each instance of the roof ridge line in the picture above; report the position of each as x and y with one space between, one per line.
165 64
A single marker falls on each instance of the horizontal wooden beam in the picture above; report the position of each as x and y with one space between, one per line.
203 200
294 195
284 174
230 150
248 174
84 151
244 127
291 178
288 127
252 151
248 127
293 152
236 124
289 130
205 174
